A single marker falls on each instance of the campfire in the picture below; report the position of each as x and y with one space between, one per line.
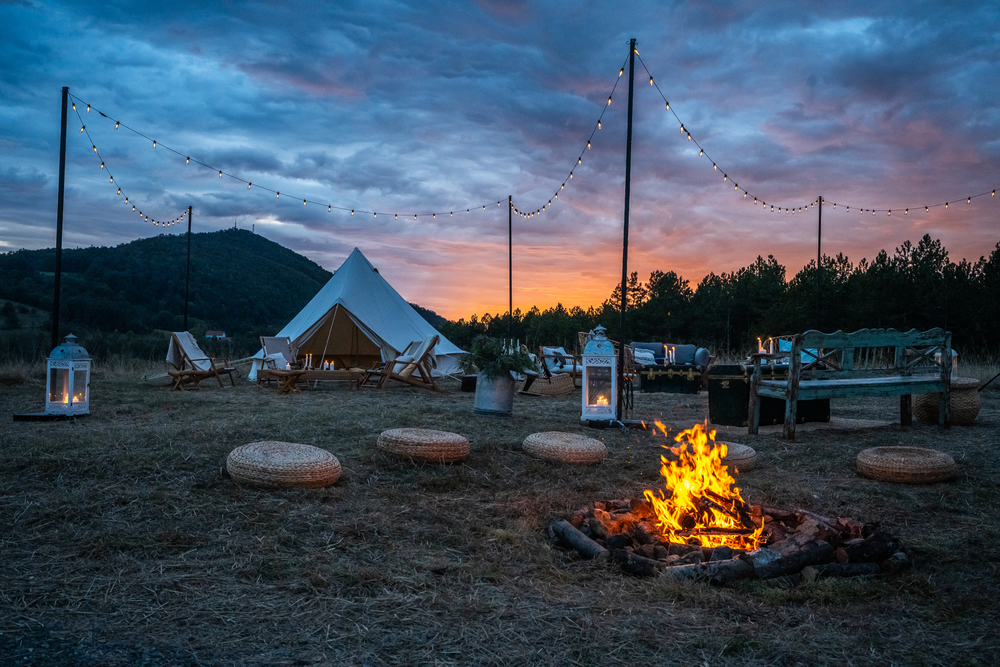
700 527
701 504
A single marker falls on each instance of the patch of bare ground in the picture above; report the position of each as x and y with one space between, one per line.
125 543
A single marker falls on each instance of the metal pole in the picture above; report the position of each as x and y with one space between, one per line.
819 259
510 267
57 282
628 184
187 280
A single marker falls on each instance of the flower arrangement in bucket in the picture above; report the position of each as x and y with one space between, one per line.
495 360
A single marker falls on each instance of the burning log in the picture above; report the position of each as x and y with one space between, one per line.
584 546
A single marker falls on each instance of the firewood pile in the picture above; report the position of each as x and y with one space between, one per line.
796 543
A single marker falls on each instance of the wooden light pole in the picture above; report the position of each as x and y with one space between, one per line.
56 284
628 184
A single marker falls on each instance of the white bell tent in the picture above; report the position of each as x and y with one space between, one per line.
357 319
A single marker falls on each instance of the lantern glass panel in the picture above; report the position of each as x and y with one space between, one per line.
80 385
598 385
58 385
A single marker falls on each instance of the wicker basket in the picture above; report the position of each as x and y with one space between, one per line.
558 384
908 465
281 465
964 406
566 447
739 457
423 444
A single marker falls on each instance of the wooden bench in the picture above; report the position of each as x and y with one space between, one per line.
869 362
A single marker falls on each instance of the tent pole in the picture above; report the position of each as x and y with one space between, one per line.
628 183
330 331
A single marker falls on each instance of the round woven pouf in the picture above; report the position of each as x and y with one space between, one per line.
908 465
963 409
740 457
566 447
423 444
282 465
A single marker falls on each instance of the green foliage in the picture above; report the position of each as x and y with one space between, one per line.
492 358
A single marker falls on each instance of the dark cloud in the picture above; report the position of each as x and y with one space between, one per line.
402 107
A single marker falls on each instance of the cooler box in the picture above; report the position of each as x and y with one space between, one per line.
729 398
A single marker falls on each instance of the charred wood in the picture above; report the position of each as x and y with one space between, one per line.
583 545
876 548
636 564
716 572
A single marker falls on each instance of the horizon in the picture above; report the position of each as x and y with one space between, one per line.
431 108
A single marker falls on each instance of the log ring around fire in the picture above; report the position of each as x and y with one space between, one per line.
908 465
740 457
423 444
281 465
566 447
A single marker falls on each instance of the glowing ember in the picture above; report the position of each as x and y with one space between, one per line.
701 504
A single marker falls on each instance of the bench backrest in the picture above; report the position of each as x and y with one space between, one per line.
871 353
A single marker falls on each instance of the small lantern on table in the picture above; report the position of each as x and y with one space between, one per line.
600 390
67 386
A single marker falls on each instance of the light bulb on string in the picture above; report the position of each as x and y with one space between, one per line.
701 152
88 108
598 125
74 106
352 211
609 100
946 204
451 214
277 195
303 202
248 185
220 173
651 81
970 201
102 165
154 143
890 211
588 145
621 71
571 175
668 106
82 128
374 214
927 209
116 124
119 192
906 212
434 216
397 217
111 179
579 160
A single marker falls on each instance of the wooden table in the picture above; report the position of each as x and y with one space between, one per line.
288 380
352 377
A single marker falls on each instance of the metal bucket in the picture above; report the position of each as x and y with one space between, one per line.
494 397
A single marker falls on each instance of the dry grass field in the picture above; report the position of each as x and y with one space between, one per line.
124 542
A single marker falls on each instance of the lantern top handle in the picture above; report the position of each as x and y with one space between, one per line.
600 332
70 350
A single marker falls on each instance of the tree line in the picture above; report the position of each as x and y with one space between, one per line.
916 287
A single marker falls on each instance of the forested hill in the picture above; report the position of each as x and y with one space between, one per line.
241 283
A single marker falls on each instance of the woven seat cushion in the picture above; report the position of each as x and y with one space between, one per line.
280 465
964 408
566 447
739 457
424 444
909 465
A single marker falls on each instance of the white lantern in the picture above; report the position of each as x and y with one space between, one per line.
600 380
67 388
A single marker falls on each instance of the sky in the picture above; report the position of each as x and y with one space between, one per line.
395 108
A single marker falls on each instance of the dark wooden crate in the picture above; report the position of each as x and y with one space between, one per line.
729 398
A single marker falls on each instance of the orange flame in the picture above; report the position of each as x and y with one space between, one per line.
702 505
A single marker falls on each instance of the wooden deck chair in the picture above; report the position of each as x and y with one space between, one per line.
414 366
278 353
191 365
